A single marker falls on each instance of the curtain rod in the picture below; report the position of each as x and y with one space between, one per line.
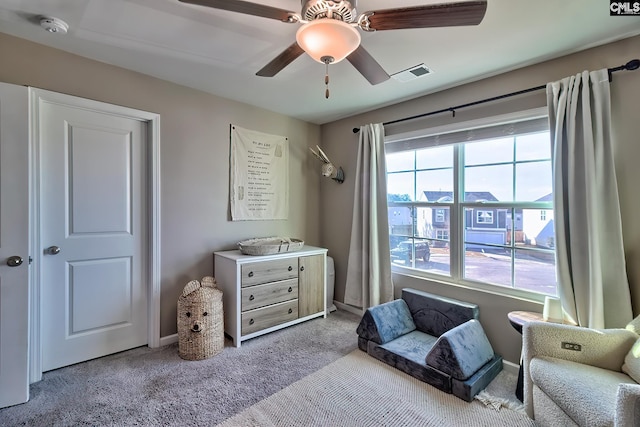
634 64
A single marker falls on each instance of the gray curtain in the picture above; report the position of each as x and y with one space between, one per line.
369 269
592 280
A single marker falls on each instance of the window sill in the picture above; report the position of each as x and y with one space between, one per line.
469 284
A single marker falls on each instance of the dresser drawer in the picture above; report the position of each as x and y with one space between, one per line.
269 271
270 293
266 317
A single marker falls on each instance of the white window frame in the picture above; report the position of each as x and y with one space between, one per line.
484 216
406 141
442 234
440 216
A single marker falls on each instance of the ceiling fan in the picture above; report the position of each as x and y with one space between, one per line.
329 32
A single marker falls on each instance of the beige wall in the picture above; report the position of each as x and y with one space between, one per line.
341 143
195 170
194 158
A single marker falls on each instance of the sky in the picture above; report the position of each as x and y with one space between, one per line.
489 166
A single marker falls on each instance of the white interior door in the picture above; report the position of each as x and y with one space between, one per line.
14 238
93 228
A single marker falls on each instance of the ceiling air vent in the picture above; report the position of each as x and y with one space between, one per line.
412 73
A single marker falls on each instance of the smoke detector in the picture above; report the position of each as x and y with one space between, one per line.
54 25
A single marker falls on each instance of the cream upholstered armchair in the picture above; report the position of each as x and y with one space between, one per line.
576 376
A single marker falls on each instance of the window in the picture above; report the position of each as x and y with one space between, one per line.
482 206
484 217
442 234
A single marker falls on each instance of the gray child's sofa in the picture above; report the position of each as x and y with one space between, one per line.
437 340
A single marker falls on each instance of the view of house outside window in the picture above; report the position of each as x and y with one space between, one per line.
475 212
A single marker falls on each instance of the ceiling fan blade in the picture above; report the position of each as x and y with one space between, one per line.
279 62
247 8
367 66
434 15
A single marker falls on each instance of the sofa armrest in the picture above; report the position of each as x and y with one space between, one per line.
386 322
461 351
628 406
605 348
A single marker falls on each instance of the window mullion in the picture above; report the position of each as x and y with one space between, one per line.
513 215
414 209
456 227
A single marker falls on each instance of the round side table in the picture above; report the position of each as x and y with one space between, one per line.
518 319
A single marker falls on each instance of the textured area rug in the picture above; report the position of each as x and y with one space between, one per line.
358 390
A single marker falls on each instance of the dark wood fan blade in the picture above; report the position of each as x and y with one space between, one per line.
367 66
247 8
434 15
281 61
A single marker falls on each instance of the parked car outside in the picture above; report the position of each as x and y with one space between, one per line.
403 251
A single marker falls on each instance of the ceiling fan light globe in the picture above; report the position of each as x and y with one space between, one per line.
328 37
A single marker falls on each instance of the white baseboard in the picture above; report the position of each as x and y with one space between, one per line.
349 308
169 339
510 367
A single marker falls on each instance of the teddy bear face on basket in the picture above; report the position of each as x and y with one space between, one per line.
200 320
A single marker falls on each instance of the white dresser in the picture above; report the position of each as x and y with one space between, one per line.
265 293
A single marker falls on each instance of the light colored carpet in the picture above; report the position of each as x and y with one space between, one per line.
155 387
358 390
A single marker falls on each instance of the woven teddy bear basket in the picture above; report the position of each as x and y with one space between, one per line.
200 320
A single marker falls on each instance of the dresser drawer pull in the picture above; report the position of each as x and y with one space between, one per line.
290 310
290 268
251 321
302 268
251 297
251 274
290 289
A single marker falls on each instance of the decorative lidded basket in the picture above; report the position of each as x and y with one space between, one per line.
200 320
269 245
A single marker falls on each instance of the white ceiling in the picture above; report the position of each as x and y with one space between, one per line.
219 52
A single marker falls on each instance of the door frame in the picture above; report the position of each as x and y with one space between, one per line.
152 153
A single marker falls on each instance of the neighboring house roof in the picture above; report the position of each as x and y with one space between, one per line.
547 198
469 196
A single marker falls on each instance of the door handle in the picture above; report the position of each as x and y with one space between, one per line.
52 250
14 261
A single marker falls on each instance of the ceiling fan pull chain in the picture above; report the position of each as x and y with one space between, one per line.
326 80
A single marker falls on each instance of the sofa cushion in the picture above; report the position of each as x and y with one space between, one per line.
386 322
406 353
413 346
461 351
585 393
434 315
631 365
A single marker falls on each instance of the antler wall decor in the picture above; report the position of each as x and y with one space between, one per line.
328 169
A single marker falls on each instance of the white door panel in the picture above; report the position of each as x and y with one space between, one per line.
14 226
100 294
93 208
100 172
